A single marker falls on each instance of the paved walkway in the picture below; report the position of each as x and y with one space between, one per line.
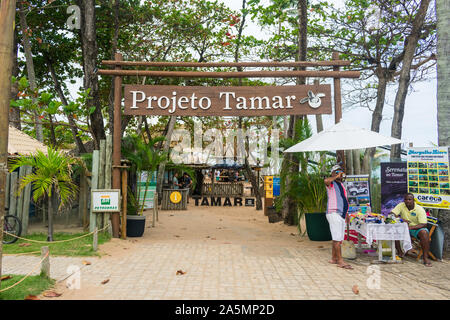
237 257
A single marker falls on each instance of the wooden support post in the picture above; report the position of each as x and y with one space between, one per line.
7 189
45 265
12 194
101 180
340 156
108 176
82 199
117 137
108 162
95 240
94 184
155 205
124 203
26 203
154 213
19 209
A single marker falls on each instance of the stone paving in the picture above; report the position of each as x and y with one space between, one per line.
147 269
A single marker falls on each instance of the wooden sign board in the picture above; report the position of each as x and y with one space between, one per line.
227 101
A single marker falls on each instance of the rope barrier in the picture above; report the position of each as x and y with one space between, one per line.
26 276
60 241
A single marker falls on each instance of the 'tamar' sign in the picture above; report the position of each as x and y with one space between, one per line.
227 101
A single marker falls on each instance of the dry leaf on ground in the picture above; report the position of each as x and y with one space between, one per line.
51 294
25 244
5 278
355 289
86 263
105 281
180 272
31 297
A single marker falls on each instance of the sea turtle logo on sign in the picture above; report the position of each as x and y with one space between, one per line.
175 197
313 100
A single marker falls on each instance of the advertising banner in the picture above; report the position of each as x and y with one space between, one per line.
358 193
105 200
428 176
394 185
151 189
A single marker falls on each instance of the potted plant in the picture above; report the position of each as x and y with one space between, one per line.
143 157
312 203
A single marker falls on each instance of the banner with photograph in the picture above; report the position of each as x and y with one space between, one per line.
150 186
394 185
358 193
428 176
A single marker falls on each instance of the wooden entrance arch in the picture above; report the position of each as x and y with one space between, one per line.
118 72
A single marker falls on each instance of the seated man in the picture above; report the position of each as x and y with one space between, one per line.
416 217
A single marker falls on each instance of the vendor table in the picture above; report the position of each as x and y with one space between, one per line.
381 231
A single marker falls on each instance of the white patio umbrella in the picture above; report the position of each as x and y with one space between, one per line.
343 136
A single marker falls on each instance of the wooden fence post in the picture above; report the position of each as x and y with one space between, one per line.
94 185
108 175
101 180
155 205
26 203
45 265
95 240
8 186
12 194
124 203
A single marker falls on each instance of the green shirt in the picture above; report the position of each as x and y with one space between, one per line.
415 216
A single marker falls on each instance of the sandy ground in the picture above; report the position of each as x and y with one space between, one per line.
239 227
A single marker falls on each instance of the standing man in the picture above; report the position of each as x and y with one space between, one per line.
337 208
186 184
416 218
175 183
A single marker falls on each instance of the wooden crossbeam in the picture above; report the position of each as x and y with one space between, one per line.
243 74
250 64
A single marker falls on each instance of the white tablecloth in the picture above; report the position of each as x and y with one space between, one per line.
381 231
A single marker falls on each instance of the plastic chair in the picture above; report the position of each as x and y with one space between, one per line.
430 221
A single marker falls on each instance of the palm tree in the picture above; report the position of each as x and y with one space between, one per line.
144 157
51 173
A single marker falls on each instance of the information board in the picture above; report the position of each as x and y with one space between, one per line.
428 176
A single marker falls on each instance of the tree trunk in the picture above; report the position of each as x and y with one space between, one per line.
162 166
405 76
50 219
290 208
62 97
90 51
356 161
115 39
7 13
443 94
30 69
377 116
248 170
14 112
52 132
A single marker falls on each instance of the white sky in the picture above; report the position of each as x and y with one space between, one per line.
420 119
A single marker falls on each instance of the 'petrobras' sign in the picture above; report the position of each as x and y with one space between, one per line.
428 176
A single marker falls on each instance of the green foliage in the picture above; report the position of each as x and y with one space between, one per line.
52 172
306 186
144 157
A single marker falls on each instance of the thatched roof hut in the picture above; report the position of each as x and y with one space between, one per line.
21 143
